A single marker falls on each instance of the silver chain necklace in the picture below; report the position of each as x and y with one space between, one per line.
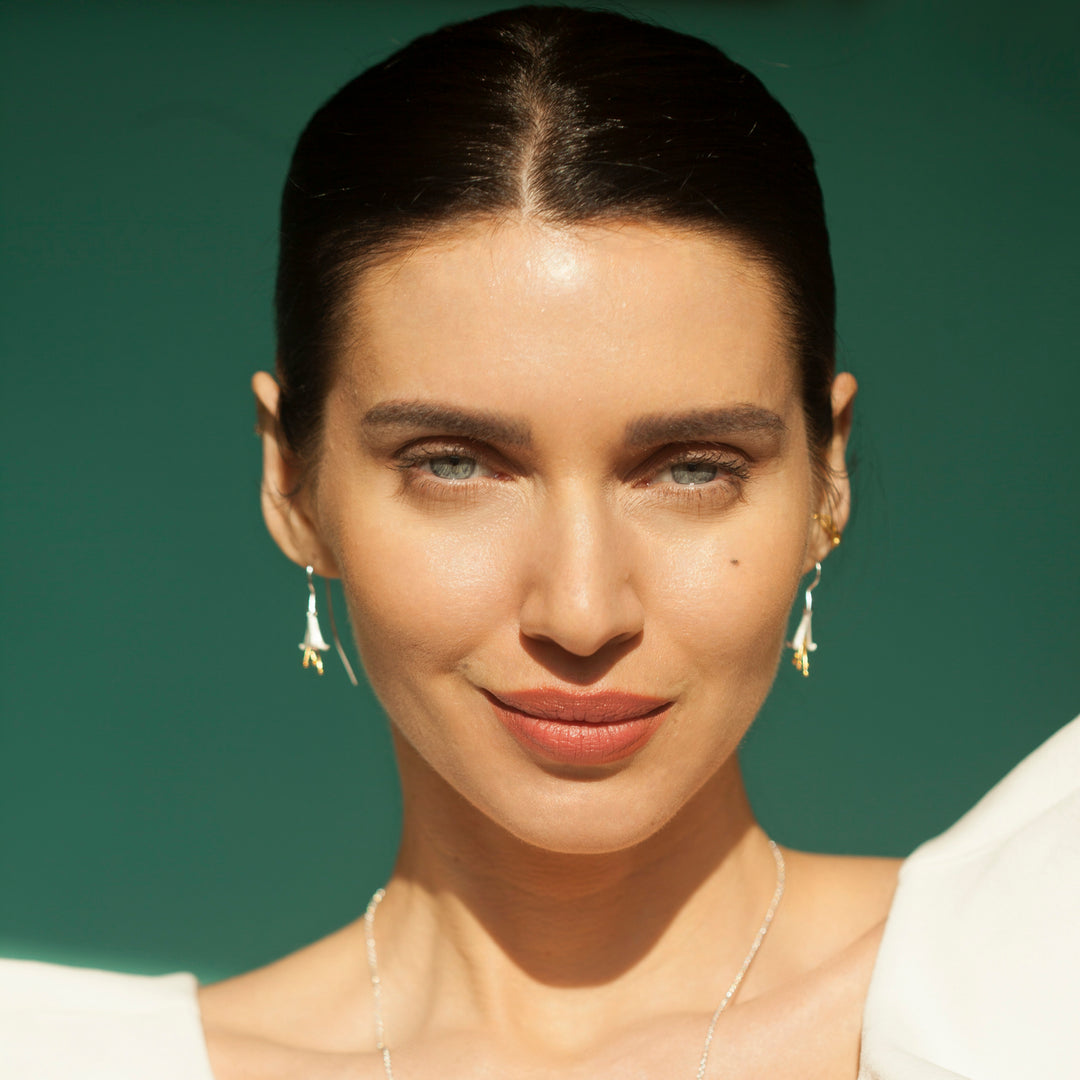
759 937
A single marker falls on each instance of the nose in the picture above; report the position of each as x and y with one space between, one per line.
579 578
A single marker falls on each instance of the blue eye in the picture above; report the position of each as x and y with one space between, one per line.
703 472
694 472
452 467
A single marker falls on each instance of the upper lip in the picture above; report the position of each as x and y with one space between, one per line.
595 707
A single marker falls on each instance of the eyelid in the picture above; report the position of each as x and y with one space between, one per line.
431 448
712 453
733 465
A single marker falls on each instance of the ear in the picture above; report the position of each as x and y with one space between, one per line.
836 496
286 502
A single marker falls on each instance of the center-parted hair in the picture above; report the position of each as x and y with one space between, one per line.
565 114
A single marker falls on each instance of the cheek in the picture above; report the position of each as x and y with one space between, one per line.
724 605
421 597
425 596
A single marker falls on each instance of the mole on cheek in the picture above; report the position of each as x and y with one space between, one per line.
734 562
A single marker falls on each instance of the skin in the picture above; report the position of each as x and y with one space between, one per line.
552 920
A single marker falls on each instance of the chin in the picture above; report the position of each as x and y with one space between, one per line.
484 787
562 831
598 815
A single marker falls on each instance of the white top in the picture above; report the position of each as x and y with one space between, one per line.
65 1023
978 977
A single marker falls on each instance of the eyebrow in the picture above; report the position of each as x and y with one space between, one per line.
468 423
702 424
483 426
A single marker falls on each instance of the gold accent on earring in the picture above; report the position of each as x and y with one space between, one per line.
827 524
803 642
313 643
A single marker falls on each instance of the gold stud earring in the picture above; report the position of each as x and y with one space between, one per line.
827 524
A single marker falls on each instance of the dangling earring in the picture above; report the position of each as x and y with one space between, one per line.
803 643
314 643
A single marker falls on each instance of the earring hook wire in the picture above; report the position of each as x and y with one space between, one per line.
813 585
333 630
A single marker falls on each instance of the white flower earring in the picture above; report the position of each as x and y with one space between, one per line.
803 642
314 644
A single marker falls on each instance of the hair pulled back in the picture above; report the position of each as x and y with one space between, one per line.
565 114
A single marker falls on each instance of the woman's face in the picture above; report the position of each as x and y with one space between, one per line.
562 465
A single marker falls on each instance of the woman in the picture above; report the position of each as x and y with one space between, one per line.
555 400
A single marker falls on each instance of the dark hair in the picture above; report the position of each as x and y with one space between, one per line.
567 114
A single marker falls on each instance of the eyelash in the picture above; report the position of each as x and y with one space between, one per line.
410 459
732 472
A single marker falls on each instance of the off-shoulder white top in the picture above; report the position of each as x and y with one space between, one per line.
978 976
65 1023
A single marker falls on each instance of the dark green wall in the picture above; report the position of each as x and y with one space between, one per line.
176 792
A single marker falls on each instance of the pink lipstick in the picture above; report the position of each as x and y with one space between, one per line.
579 729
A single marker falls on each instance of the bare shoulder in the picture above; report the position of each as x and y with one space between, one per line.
255 1023
825 943
841 903
858 881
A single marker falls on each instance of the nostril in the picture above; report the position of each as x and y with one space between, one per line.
577 667
584 628
580 595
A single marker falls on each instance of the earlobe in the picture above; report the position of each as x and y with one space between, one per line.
284 503
833 514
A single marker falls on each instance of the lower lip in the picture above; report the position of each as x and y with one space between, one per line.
568 743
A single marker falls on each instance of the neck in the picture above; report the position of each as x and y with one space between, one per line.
511 922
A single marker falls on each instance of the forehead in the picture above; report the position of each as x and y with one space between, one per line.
516 314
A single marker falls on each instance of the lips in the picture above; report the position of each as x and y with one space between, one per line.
579 729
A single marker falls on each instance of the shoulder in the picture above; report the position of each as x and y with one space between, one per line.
297 998
837 902
828 937
58 1021
296 1016
982 946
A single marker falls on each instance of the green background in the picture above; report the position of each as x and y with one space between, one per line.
175 793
